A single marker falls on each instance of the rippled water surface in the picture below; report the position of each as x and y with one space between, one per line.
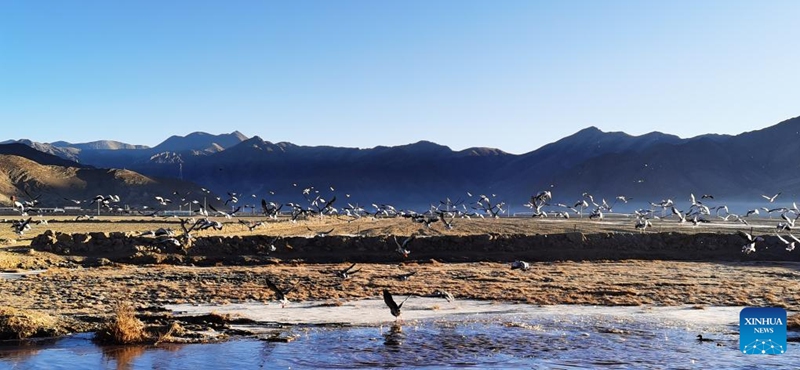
561 341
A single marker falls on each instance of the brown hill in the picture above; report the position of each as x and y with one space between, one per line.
53 183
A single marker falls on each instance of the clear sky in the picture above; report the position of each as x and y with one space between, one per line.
508 74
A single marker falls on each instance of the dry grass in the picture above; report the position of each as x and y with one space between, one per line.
93 291
123 328
19 324
793 322
365 226
174 330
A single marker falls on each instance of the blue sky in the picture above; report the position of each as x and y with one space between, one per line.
508 74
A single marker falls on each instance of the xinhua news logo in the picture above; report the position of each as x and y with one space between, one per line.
762 331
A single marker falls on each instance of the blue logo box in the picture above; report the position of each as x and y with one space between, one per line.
762 331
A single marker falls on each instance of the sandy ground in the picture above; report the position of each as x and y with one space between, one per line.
85 296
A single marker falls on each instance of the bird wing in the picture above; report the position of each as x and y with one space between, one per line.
263 205
183 226
212 208
387 298
272 286
330 203
349 268
794 237
745 235
782 239
401 303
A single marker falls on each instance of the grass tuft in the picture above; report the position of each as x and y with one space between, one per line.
123 328
19 324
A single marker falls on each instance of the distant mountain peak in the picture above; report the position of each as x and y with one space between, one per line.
425 144
254 139
482 151
239 135
590 130
98 145
200 141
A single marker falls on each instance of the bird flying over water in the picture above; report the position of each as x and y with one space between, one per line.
280 294
394 308
444 294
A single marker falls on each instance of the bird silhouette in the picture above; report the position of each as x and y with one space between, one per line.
348 272
701 339
394 308
280 294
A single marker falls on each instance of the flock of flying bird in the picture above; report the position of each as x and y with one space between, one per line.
699 211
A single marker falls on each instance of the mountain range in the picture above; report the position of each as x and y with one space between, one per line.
56 182
649 167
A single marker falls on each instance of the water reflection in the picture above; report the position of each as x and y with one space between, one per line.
395 335
122 356
16 348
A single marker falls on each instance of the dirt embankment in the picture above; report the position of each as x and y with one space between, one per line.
257 249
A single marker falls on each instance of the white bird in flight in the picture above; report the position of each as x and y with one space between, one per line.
771 198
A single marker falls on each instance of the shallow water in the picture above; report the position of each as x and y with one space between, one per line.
556 341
